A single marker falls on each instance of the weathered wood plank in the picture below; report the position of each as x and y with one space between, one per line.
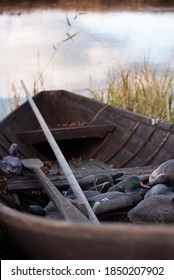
69 132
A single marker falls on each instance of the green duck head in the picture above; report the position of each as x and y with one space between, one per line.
131 184
134 184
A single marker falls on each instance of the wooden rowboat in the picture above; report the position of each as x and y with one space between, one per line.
99 138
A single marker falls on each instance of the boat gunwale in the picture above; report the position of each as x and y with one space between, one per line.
15 214
160 124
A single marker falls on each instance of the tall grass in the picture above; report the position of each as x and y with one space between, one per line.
14 98
142 91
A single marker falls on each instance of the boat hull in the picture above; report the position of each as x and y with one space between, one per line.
43 239
115 137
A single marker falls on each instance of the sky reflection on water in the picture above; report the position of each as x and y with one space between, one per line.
28 41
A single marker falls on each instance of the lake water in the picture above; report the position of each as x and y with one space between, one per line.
33 45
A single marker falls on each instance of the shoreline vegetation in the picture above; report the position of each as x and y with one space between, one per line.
17 7
143 91
140 90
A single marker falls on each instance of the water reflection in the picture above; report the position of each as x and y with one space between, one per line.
28 44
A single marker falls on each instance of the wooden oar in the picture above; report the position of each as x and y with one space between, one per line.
68 211
61 159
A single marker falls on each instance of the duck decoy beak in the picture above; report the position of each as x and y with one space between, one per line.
144 186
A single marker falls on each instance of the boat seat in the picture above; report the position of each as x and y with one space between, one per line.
67 133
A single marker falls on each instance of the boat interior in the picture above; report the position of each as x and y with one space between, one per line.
87 129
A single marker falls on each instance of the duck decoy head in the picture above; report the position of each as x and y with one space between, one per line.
11 165
162 178
13 150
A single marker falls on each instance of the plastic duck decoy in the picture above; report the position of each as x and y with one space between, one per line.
166 168
11 164
129 185
114 200
159 189
156 209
